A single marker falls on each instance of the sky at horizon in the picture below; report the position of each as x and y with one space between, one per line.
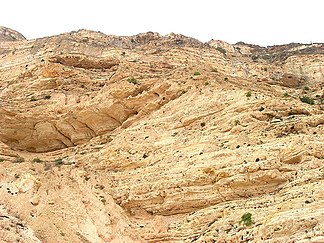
257 22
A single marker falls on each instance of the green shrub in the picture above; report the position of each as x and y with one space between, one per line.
37 160
19 160
248 94
237 122
47 97
206 83
133 80
33 98
307 100
286 95
222 50
226 79
196 73
246 219
306 88
58 162
214 70
1 160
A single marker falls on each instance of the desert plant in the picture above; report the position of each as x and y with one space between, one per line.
47 97
307 100
222 50
248 94
206 83
37 160
237 122
33 98
286 95
246 219
226 79
1 160
306 88
133 80
19 160
196 73
58 162
214 70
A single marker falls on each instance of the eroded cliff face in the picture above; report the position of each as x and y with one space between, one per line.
156 138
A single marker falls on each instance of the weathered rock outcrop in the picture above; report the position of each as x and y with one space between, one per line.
83 61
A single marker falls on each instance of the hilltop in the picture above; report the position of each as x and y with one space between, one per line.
152 138
7 34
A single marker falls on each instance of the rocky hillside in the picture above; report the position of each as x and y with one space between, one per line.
153 138
7 34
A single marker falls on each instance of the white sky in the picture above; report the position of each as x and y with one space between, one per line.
263 22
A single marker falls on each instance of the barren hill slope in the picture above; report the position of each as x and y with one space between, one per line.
154 138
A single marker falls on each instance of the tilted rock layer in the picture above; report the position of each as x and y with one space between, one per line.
154 138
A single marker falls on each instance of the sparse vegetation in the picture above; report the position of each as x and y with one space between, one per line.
1 160
306 88
307 100
214 70
226 79
206 83
58 162
237 122
246 219
37 160
133 80
47 97
248 94
196 73
286 95
19 160
222 50
33 98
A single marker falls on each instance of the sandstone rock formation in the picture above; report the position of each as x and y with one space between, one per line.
153 138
